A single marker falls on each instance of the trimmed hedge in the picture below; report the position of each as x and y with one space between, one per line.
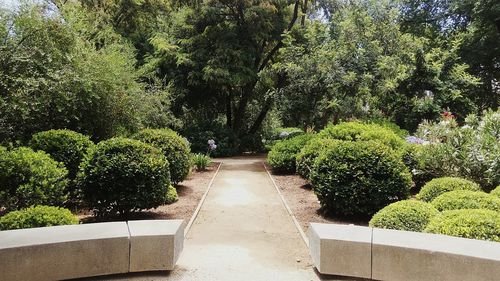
121 175
171 196
308 154
357 131
409 215
64 146
496 191
359 178
474 224
38 216
174 147
282 155
466 199
30 178
438 186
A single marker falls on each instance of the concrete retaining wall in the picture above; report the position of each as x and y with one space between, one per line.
75 251
383 254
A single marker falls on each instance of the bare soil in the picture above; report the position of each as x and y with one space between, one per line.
190 192
303 202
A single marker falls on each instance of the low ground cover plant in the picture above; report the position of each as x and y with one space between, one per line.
359 178
466 199
201 161
122 175
438 186
30 178
409 215
475 224
174 147
37 216
283 155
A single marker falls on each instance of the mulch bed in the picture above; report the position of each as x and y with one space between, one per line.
190 192
304 203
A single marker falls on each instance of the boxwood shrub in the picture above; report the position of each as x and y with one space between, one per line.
308 154
174 147
64 146
466 199
283 154
496 191
475 224
359 178
30 178
171 195
357 131
38 216
409 215
121 175
438 186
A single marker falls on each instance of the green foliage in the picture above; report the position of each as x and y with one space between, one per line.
466 199
37 216
496 191
174 147
357 131
30 178
201 161
65 146
474 224
308 154
471 151
121 175
171 196
438 186
408 215
283 154
359 178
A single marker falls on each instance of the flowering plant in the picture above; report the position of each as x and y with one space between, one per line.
211 146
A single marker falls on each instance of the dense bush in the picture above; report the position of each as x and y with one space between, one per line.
121 175
474 224
409 215
30 178
466 199
308 154
64 146
470 151
496 191
438 186
357 131
38 216
359 178
171 195
174 147
282 155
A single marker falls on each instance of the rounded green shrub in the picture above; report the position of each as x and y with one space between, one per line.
357 131
38 216
282 155
438 186
496 191
171 195
359 178
65 146
475 224
466 199
308 154
409 215
174 147
30 178
121 175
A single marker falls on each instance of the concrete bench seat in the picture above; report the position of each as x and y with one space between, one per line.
75 251
383 254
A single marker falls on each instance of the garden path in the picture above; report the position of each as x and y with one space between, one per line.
243 231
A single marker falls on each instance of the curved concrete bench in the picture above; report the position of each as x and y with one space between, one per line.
383 254
76 251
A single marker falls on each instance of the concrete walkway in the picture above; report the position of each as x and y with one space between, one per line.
243 231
